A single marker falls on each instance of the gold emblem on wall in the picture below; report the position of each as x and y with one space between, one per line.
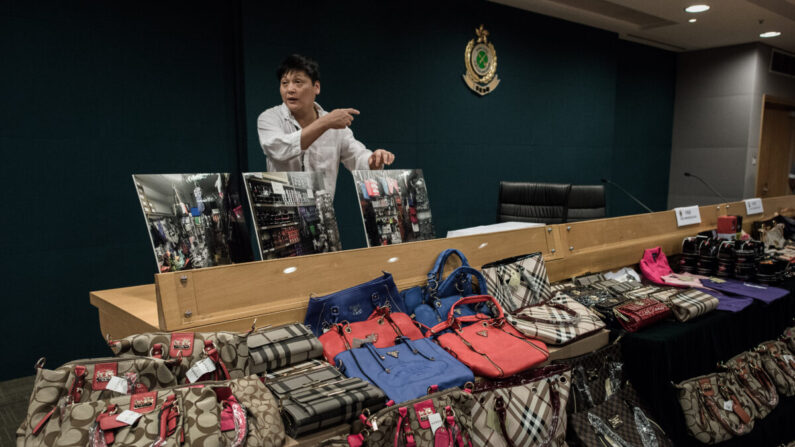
480 60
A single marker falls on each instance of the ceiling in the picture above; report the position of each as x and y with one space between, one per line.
664 23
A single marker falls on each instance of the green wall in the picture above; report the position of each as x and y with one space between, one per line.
575 104
92 92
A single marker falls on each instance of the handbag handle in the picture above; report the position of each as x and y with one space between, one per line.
452 320
438 267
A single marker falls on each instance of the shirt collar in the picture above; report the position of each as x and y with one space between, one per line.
287 115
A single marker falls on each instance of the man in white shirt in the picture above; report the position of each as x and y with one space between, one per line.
299 135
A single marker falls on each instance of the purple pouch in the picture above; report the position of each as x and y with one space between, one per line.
729 303
766 294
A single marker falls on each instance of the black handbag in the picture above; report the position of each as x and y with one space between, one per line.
594 377
315 395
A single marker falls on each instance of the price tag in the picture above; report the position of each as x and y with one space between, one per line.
310 194
687 215
278 188
128 417
200 369
728 405
436 421
117 384
753 206
375 424
788 358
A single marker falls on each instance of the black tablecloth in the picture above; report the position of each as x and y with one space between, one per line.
672 352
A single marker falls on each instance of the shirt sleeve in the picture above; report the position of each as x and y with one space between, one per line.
353 154
275 142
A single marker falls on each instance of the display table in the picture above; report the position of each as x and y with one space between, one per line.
672 352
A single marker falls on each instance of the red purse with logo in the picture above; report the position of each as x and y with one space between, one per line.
640 313
381 329
490 347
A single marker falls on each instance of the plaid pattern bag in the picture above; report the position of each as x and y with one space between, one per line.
282 346
755 382
619 421
523 411
519 281
691 304
86 381
779 364
315 395
588 279
410 422
559 321
594 377
229 348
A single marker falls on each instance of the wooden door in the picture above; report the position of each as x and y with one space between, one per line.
775 149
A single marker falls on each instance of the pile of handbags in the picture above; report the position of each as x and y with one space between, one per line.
723 405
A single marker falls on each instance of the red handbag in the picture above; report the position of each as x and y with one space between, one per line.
491 347
640 313
381 329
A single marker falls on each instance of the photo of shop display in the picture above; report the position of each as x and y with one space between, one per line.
458 361
193 221
395 206
292 214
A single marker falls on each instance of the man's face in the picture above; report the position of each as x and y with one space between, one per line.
298 91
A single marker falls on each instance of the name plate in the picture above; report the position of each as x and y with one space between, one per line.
687 215
753 206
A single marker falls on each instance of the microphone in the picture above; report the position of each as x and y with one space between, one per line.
687 174
604 180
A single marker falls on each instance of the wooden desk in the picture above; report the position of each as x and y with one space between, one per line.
277 291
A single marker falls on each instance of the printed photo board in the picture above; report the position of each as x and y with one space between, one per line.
394 205
292 213
192 220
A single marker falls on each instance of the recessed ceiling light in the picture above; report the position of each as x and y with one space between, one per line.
697 8
770 34
692 20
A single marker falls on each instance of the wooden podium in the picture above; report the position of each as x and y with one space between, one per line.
277 291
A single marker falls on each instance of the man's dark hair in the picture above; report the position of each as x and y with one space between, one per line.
296 62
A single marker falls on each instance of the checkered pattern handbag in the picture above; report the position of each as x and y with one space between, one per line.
282 346
620 419
690 304
594 377
523 411
559 321
519 281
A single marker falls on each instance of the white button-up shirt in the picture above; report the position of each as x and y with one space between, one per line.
280 138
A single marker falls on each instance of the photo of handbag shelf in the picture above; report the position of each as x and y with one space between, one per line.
394 205
193 220
292 213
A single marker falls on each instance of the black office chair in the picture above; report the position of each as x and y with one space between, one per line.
533 202
586 202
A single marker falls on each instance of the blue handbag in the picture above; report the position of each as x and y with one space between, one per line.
405 371
440 301
415 296
352 304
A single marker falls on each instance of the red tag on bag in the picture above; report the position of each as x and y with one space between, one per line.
423 410
181 343
143 403
103 372
372 188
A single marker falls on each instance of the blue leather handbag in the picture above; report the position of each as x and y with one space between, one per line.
352 304
437 308
415 296
405 371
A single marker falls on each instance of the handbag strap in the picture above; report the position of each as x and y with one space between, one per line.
438 267
708 397
575 317
404 425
